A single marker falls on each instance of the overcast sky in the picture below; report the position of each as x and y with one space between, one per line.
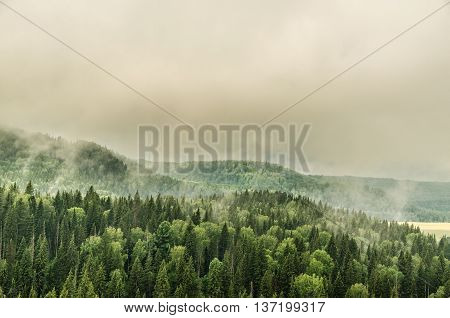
239 62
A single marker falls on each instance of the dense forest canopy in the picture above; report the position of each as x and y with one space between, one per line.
248 244
57 165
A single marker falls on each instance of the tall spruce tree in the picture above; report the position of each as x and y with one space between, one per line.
162 287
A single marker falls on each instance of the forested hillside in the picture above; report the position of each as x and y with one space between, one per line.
249 244
55 164
384 198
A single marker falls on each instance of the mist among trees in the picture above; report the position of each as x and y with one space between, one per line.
248 244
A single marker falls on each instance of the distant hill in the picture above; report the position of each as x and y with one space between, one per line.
54 163
385 198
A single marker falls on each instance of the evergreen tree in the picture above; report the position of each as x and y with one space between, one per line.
29 189
196 217
33 293
189 285
223 241
51 294
149 276
406 267
24 270
41 265
86 288
215 274
162 239
339 288
116 285
162 287
266 289
69 289
137 279
190 242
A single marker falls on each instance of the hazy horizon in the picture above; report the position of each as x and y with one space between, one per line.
217 62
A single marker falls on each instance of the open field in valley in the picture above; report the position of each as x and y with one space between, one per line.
438 229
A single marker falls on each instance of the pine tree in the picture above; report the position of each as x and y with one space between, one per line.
41 265
441 270
137 279
331 247
196 218
39 220
24 268
99 278
162 239
51 294
339 289
206 216
29 189
227 274
406 267
116 285
289 265
223 241
66 260
149 276
190 285
162 287
421 283
69 289
33 293
190 242
266 289
86 288
215 274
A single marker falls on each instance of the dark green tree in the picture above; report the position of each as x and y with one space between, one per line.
162 287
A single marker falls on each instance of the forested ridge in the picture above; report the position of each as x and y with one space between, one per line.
55 164
247 244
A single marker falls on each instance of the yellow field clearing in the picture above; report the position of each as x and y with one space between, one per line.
438 229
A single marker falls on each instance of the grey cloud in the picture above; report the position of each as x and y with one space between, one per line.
239 61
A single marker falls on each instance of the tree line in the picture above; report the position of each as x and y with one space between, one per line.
246 244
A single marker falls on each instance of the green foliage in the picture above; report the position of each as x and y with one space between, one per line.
69 289
136 284
320 264
86 288
92 160
440 293
116 285
48 161
357 290
215 275
162 287
251 244
306 286
51 294
387 281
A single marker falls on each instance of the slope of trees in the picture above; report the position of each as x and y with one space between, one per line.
249 244
55 164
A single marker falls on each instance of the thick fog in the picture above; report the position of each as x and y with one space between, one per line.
238 62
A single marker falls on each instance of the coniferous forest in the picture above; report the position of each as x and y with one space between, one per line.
56 164
203 158
242 244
